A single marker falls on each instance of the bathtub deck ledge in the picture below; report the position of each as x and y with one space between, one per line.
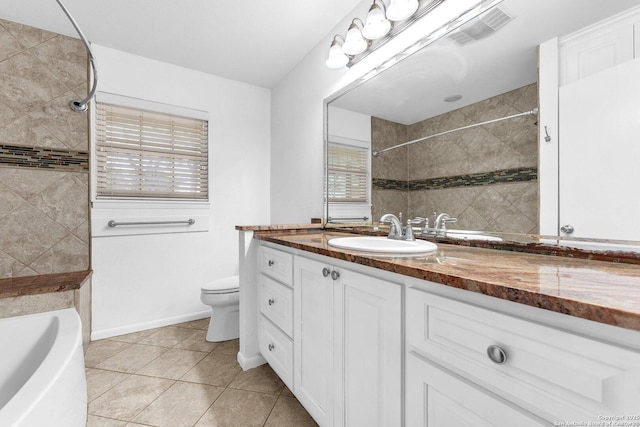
43 283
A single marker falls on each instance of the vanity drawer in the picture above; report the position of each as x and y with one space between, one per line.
277 349
565 376
276 303
276 264
436 398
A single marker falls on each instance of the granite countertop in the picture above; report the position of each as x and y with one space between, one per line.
55 282
602 291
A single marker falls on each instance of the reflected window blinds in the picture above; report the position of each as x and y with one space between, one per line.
347 176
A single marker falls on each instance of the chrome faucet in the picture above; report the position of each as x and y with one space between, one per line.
395 227
396 230
441 221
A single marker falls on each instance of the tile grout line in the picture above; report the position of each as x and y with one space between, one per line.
173 381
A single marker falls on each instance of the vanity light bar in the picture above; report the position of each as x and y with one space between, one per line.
375 31
430 38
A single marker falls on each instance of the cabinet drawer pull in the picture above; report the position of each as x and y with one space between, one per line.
326 272
271 301
271 262
335 275
497 354
271 347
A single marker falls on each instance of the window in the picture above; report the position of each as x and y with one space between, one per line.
347 174
148 154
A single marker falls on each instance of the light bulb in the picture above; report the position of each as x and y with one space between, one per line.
400 10
377 25
337 58
354 43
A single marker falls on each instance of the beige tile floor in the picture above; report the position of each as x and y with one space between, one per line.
173 377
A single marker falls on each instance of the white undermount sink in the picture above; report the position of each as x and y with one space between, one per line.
472 236
383 245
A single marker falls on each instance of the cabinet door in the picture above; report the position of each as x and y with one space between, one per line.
437 398
313 338
369 348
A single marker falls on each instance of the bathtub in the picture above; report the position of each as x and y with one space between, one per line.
42 377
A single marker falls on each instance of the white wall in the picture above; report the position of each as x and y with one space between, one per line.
145 281
350 128
297 118
347 124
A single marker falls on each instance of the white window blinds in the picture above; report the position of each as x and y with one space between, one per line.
145 154
347 176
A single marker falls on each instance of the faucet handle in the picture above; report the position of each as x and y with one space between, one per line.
409 230
416 220
425 229
446 220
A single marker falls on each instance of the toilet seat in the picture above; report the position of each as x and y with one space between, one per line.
227 285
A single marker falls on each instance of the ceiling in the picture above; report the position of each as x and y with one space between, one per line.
414 89
256 42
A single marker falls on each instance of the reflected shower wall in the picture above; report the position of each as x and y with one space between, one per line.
485 176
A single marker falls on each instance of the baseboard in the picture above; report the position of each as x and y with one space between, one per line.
250 362
123 330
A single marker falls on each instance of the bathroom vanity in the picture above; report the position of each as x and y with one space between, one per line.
460 336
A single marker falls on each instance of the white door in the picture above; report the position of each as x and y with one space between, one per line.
313 338
369 342
600 154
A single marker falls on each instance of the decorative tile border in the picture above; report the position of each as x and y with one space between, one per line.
44 158
503 176
389 184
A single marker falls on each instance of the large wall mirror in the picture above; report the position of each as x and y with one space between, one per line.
488 176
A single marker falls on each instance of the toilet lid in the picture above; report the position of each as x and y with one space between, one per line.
222 286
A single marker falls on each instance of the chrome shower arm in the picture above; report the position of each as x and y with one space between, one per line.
81 105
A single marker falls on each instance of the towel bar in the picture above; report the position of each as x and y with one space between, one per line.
362 218
189 221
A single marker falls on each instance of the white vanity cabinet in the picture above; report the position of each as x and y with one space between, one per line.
537 374
348 345
360 346
275 302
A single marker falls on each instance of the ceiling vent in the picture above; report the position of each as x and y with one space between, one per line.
482 26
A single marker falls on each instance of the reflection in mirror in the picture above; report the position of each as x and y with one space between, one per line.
486 176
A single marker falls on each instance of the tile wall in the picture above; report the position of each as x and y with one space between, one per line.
485 176
44 180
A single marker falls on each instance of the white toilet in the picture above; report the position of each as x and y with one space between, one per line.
223 296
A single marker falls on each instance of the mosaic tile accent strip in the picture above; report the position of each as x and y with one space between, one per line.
389 184
503 176
44 158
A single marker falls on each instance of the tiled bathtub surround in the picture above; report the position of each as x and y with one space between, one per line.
44 201
441 172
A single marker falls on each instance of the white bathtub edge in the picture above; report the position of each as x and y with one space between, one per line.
33 402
